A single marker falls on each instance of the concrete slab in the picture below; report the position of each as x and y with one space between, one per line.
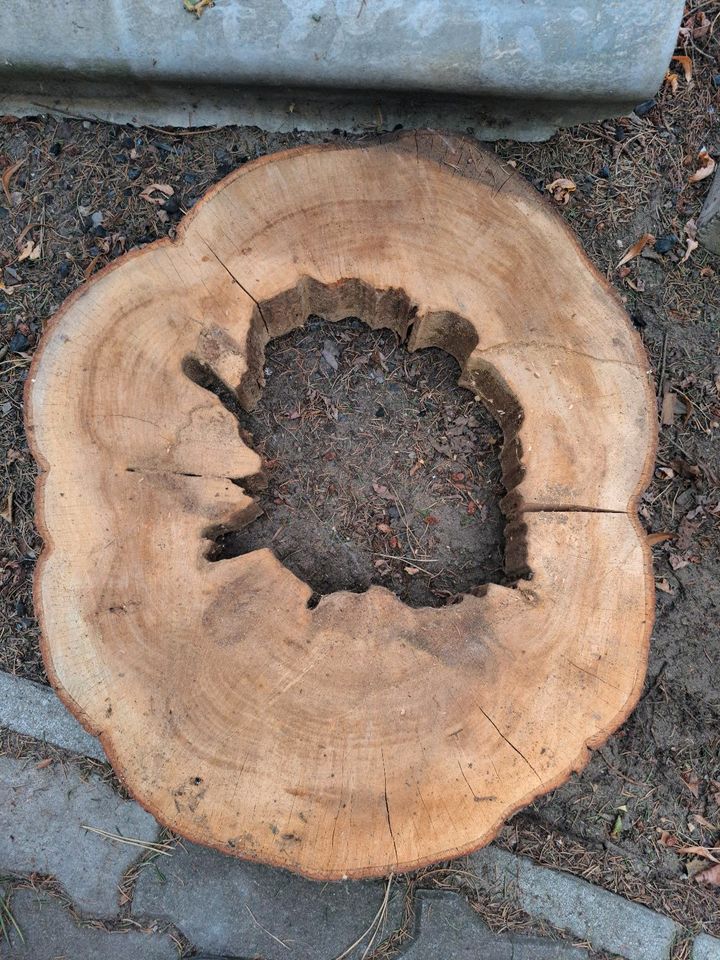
50 933
35 710
232 907
505 69
705 948
42 819
709 219
606 920
447 928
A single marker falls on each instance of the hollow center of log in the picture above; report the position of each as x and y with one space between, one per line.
377 467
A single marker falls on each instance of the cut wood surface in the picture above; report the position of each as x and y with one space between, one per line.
360 737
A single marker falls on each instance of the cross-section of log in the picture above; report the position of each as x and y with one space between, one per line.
362 736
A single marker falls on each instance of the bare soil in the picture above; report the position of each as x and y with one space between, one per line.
378 468
342 443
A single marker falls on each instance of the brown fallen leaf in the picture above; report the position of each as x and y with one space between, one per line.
655 538
672 407
636 248
692 244
43 763
383 528
164 189
561 189
7 511
411 571
668 839
687 66
672 80
198 7
7 175
691 781
30 251
662 584
707 853
706 167
710 876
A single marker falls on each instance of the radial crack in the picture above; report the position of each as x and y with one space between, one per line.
510 743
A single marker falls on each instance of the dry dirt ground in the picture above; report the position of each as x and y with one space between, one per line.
380 469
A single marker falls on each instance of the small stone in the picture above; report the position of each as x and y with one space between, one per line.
232 907
644 108
133 173
716 80
43 816
96 218
49 932
19 343
55 149
665 244
171 205
64 269
604 172
638 320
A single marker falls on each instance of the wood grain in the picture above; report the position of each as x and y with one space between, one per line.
361 737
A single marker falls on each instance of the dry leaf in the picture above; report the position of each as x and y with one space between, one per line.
7 511
561 189
672 80
691 782
655 538
383 528
707 853
7 175
686 64
43 763
198 7
672 407
668 839
691 245
663 585
164 189
411 571
707 272
706 168
637 248
30 251
711 876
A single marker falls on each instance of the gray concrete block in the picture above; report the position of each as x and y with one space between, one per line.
709 219
607 921
232 907
35 710
50 933
705 948
520 68
42 815
447 928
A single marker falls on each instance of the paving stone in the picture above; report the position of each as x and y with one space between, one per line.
50 933
709 219
35 710
232 907
447 928
607 921
706 948
42 813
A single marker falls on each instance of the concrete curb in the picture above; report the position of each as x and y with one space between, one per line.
34 710
604 919
503 69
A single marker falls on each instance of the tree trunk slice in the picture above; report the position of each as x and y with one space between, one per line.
360 737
